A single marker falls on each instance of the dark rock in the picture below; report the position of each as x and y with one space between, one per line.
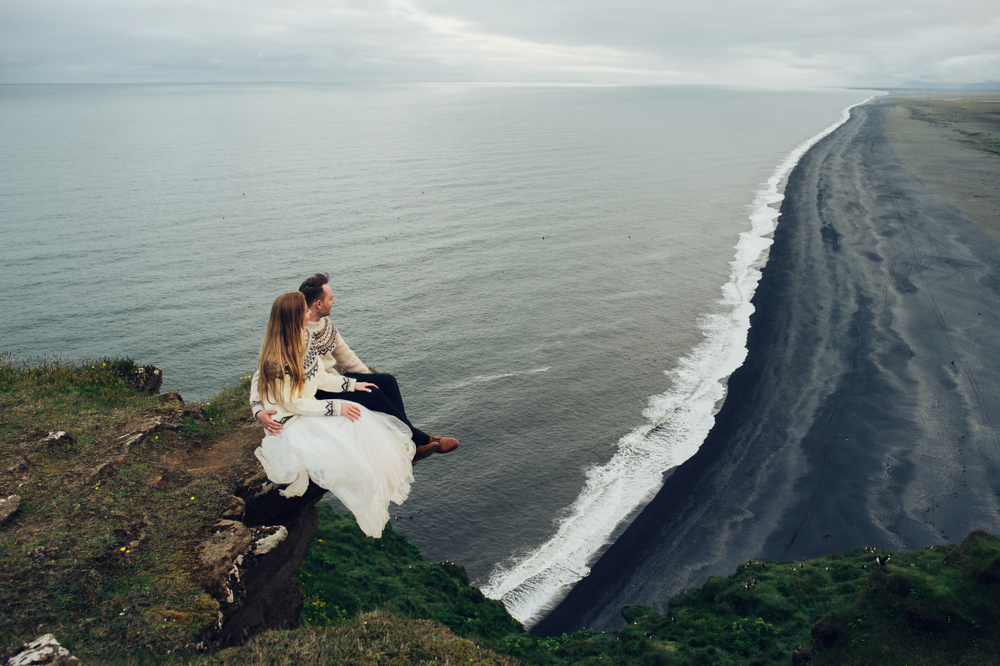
825 632
802 656
261 589
43 552
249 559
924 620
219 555
990 573
146 378
60 439
234 509
8 507
456 571
20 465
264 506
171 399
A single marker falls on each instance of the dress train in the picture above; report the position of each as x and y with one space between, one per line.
366 463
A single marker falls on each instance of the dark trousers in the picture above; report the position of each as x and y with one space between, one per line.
386 399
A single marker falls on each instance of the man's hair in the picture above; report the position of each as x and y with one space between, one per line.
312 288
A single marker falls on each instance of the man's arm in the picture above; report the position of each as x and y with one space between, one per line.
346 358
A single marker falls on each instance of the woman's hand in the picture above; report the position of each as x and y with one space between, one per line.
350 410
363 386
271 426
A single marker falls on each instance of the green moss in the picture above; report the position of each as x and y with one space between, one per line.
933 606
346 573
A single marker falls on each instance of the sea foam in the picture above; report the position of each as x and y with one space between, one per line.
532 583
485 379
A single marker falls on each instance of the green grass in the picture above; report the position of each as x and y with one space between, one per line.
947 112
935 606
989 145
346 573
760 615
51 394
928 607
218 415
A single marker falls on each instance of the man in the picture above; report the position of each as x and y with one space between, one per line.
333 351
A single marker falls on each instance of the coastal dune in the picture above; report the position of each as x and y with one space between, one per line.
866 413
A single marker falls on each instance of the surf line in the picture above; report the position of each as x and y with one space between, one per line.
532 583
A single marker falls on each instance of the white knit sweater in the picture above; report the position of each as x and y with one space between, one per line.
288 406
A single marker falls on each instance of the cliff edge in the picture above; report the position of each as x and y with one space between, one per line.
137 522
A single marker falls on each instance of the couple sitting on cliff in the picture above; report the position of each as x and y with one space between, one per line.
364 454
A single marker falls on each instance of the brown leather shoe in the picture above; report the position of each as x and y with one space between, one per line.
424 451
445 444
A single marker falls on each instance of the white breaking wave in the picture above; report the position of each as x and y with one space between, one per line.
482 379
531 584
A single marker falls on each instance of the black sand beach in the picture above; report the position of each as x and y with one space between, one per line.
867 411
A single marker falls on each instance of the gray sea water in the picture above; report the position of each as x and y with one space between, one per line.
559 276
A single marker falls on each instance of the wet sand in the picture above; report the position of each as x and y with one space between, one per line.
868 409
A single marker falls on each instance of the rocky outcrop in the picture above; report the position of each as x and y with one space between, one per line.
146 379
249 559
8 506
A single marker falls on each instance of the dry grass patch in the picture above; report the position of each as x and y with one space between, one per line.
370 639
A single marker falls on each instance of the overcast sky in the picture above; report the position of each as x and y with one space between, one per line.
784 43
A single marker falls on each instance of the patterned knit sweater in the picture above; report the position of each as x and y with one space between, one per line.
332 349
287 406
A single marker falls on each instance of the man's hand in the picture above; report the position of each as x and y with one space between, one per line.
350 410
364 386
271 426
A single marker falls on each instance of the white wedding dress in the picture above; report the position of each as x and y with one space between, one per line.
366 463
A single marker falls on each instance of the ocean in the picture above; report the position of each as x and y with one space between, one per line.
558 275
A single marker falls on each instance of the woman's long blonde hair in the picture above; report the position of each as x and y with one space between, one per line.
284 348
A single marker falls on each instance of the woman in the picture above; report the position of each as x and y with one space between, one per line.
362 457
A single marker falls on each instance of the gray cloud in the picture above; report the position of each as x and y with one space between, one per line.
756 42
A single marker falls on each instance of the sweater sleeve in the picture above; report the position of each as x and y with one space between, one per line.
346 358
332 382
307 405
256 404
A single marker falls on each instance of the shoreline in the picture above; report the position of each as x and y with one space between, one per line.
865 411
541 581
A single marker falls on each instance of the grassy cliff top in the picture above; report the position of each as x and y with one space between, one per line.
101 551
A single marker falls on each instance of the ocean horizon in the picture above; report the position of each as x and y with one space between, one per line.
560 276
